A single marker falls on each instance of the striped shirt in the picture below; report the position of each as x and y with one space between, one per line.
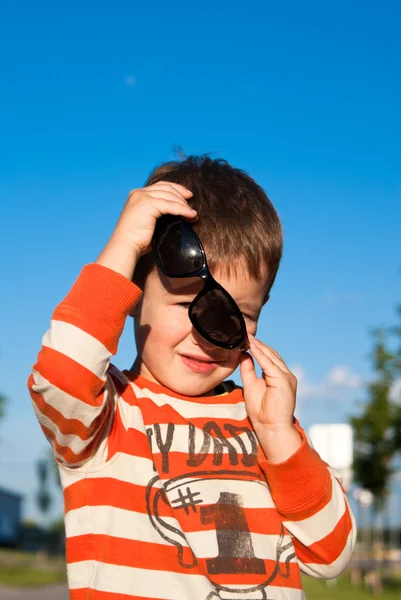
168 496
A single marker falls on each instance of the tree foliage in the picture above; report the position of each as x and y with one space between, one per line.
2 405
377 430
43 497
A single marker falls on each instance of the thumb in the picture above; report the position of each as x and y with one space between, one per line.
247 369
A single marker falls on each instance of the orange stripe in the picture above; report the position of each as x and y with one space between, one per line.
128 441
88 324
65 425
310 510
329 548
69 376
128 496
106 491
125 390
152 414
301 486
151 556
166 412
129 553
99 303
265 521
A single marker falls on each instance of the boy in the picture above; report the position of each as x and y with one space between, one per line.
178 484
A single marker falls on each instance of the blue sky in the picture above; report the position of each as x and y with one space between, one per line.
304 96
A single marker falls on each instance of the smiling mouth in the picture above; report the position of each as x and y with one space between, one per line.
198 364
201 359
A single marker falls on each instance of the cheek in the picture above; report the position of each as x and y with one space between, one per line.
169 325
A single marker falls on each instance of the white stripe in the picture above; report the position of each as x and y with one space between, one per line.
69 476
254 493
130 525
78 345
72 472
69 406
74 408
322 523
139 582
117 522
126 468
67 441
160 585
139 470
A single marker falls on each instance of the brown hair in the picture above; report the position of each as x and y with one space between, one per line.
236 218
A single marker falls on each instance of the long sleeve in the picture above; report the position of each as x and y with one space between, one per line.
308 494
72 393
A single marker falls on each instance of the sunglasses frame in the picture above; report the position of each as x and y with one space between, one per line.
209 283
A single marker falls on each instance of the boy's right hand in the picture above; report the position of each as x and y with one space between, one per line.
133 234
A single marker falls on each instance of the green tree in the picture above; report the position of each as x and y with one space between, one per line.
54 469
43 496
396 332
2 405
375 429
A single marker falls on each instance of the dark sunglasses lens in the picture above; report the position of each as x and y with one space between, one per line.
214 315
177 249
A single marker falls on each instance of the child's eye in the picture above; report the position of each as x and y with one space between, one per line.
184 304
247 317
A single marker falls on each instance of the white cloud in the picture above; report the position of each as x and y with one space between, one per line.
338 379
129 80
343 376
334 299
329 399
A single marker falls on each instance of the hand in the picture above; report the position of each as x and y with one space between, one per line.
134 231
270 400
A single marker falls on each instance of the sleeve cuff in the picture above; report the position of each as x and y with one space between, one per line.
104 294
301 483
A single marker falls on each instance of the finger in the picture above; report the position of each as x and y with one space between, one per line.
167 207
168 195
272 354
247 369
271 371
175 186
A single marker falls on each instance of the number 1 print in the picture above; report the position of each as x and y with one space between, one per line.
236 554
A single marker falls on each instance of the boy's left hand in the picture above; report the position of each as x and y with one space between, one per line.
270 400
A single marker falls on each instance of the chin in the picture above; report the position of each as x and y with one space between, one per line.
191 386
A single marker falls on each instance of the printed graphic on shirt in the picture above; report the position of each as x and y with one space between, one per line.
216 500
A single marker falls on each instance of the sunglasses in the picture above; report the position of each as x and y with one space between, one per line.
213 312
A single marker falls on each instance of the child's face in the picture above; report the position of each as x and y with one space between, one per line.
170 350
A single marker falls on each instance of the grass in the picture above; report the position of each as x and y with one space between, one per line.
316 589
26 569
23 577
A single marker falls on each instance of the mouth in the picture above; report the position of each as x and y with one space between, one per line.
199 364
